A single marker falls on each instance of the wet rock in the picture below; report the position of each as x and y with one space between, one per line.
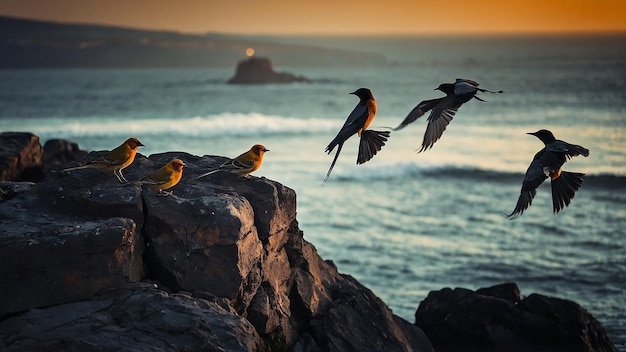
46 261
57 152
20 156
138 317
259 71
495 319
10 189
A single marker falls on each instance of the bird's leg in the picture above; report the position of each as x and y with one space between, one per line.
163 193
122 175
118 177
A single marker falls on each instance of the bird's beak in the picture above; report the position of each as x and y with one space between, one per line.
353 92
266 150
532 133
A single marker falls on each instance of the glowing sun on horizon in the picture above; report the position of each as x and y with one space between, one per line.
250 52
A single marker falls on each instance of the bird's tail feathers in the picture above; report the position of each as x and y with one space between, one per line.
371 143
479 98
523 202
564 188
489 91
339 146
332 145
205 174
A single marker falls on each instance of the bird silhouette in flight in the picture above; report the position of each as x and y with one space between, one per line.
357 122
548 162
442 110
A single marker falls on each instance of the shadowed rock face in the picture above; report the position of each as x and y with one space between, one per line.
498 319
136 317
92 264
20 152
22 158
259 71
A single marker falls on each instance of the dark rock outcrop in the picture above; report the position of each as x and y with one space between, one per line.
137 317
259 71
497 319
20 156
81 255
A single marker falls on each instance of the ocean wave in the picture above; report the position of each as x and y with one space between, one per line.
224 124
402 170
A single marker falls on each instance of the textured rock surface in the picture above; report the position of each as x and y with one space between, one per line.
20 153
232 268
497 319
47 262
138 317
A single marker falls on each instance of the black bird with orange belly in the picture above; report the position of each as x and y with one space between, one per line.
357 122
443 109
548 162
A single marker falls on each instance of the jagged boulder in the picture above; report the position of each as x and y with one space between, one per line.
20 156
498 319
50 261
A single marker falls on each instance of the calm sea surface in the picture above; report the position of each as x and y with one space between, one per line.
404 223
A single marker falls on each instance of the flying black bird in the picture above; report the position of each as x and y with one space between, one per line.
547 163
357 122
443 109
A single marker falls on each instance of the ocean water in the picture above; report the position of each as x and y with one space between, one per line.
404 223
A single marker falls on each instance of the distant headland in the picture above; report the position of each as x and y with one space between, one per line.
37 44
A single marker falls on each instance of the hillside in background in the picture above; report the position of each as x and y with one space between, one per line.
36 44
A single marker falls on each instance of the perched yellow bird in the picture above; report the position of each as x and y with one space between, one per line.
117 159
244 164
164 178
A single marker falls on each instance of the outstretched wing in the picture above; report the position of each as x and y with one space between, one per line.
535 175
438 120
418 111
570 150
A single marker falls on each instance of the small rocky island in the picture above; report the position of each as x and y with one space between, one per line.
259 71
88 264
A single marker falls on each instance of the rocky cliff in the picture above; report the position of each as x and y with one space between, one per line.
89 264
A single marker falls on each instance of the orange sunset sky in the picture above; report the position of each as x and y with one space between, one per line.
333 17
